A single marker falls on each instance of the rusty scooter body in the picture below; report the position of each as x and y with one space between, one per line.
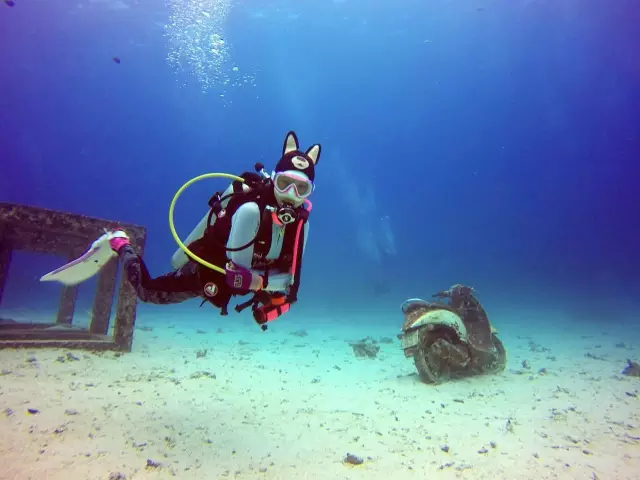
450 340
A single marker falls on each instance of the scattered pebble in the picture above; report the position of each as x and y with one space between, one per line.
444 448
632 369
68 357
352 459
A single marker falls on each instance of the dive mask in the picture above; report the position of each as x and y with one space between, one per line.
293 184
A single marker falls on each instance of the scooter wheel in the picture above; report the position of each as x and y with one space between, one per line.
499 363
432 366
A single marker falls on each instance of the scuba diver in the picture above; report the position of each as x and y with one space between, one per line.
256 231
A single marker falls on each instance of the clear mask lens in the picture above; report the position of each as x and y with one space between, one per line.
284 183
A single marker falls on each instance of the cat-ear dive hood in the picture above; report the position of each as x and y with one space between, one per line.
293 159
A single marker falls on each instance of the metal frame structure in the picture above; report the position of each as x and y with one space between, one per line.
39 230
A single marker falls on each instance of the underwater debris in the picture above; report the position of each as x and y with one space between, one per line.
115 59
367 347
202 353
632 369
594 356
10 3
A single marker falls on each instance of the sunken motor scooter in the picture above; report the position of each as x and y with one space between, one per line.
452 339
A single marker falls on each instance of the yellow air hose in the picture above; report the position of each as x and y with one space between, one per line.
172 226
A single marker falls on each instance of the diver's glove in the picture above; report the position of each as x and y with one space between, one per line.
241 278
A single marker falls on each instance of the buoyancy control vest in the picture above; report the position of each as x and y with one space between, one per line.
212 245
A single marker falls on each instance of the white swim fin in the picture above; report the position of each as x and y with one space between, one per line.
84 267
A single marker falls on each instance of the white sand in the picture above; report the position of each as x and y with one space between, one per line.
288 407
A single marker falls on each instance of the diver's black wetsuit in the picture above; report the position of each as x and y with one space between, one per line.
174 287
188 281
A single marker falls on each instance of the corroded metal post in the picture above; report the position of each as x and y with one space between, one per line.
67 305
103 299
6 254
68 296
125 315
126 308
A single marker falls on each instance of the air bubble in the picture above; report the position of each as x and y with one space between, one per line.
198 48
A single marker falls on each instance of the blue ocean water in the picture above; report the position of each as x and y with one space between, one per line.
491 143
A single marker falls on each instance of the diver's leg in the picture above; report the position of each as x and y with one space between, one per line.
174 287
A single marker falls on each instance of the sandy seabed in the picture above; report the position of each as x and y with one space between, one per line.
229 401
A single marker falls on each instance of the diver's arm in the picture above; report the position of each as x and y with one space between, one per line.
244 228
